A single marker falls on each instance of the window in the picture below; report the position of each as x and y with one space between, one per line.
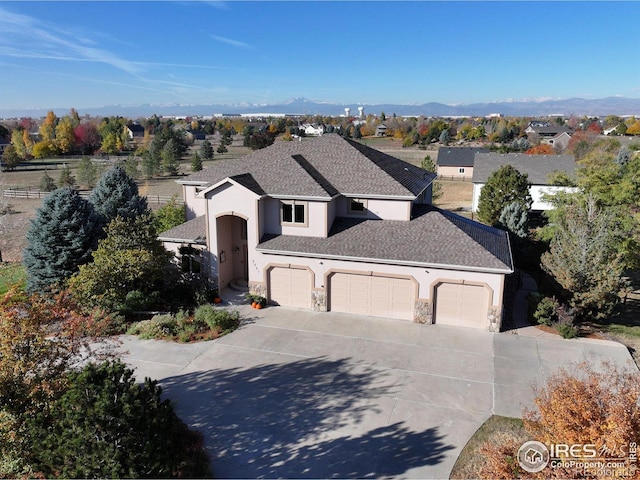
357 206
191 259
461 170
294 212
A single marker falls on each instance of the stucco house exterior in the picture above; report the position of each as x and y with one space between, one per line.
457 162
330 224
537 167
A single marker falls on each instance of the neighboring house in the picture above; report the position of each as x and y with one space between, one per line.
312 130
457 162
560 142
135 131
547 131
4 143
330 224
537 167
381 130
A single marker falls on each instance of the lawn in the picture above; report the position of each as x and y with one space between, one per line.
11 274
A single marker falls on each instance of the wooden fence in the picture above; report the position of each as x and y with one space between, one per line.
36 194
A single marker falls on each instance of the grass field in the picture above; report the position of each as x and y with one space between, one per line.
11 274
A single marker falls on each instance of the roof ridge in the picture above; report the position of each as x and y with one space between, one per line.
317 177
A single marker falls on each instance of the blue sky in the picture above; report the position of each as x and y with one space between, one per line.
88 54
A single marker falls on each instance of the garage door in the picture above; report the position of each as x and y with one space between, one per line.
462 305
290 287
372 295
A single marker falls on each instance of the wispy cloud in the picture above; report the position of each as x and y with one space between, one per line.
38 39
230 41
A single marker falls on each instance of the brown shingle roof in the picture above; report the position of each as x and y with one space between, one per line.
322 167
193 231
433 237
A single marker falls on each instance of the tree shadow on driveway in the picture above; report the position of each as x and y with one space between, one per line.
310 418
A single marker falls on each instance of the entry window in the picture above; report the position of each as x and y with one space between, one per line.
357 206
461 170
294 212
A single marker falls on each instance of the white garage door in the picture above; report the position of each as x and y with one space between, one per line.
462 305
290 287
372 295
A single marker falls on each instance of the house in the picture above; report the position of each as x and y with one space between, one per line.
330 224
134 130
547 130
381 130
457 162
312 130
537 167
560 142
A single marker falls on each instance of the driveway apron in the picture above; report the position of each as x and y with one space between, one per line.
298 394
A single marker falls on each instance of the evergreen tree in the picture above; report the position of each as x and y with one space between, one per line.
515 218
430 166
131 166
584 260
504 186
196 163
206 150
107 425
87 172
116 194
46 183
62 236
222 148
170 157
66 179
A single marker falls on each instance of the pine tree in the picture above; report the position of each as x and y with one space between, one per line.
196 163
206 150
46 183
116 194
66 179
170 157
62 236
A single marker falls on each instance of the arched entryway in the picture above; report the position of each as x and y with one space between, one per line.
233 257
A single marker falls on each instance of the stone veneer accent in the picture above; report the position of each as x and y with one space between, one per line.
258 288
423 311
494 318
318 301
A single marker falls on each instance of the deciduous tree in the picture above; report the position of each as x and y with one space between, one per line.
130 258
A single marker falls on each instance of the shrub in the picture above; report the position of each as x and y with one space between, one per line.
533 299
217 319
547 311
157 327
567 330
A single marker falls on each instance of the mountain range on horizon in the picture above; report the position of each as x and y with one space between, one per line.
301 106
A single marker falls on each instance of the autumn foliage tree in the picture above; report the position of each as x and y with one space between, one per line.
33 368
542 149
583 404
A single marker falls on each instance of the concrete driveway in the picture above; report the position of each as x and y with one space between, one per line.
297 394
